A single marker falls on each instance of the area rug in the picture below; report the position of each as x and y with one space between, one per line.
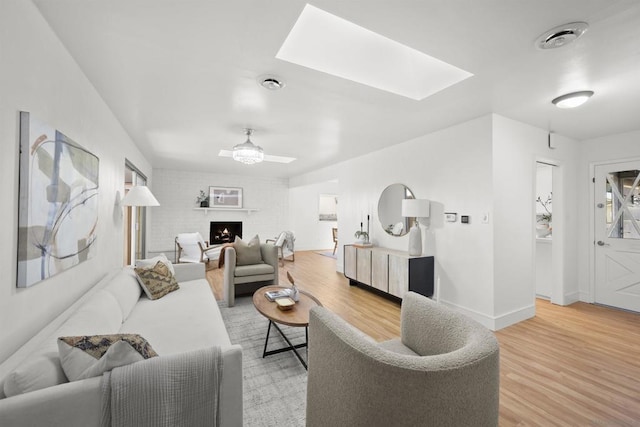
275 388
329 254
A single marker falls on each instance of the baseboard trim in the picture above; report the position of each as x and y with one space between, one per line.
571 297
495 322
515 316
481 318
585 296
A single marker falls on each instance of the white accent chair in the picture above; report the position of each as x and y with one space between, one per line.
193 248
285 245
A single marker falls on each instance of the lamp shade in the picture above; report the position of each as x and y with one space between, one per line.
415 208
139 195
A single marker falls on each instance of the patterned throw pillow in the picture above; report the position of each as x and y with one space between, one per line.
156 281
248 253
150 262
89 356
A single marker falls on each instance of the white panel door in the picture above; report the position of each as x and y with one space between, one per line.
617 235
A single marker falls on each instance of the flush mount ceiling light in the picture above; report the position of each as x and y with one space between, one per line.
246 152
271 82
330 44
561 35
573 99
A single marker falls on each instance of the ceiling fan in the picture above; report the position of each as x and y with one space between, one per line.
249 153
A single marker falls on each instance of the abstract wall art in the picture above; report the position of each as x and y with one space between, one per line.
328 207
225 197
58 208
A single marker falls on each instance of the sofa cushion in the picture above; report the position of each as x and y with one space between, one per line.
100 314
150 262
126 290
253 270
181 321
156 281
248 253
89 356
40 372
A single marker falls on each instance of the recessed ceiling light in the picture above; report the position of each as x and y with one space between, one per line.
573 99
271 82
561 35
330 44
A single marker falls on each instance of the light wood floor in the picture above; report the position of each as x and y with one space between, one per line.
569 366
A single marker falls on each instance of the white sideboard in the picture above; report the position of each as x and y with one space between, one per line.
390 271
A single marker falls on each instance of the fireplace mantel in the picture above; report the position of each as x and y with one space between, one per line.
247 210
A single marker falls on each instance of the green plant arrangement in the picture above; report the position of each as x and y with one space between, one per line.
203 199
545 217
361 235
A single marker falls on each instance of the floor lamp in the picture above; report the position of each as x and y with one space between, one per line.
415 208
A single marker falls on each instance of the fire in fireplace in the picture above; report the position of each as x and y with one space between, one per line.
224 232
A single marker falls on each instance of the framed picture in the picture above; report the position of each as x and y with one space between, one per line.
328 207
58 208
225 197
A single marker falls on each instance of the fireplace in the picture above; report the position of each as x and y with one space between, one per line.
224 232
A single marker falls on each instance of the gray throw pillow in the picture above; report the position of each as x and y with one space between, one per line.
248 253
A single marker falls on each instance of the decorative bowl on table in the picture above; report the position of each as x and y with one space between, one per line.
285 303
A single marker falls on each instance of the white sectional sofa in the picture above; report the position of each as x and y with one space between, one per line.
181 321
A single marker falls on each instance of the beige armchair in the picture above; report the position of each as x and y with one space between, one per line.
443 371
247 278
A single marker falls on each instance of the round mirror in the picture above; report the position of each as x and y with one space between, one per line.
390 210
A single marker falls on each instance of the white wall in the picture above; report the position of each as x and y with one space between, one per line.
310 232
177 191
517 147
39 76
607 149
486 165
452 168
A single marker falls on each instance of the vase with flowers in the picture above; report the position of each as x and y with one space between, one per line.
543 228
203 199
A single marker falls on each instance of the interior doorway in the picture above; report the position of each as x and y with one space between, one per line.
134 218
544 230
550 232
617 235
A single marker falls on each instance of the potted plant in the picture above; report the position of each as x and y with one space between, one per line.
203 199
361 235
543 228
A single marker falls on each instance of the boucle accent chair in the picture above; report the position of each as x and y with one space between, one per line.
443 371
246 277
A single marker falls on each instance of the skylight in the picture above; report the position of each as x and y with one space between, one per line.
327 43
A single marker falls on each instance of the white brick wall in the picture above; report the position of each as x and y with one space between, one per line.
177 191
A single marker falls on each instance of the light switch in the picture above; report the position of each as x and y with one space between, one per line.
485 218
450 216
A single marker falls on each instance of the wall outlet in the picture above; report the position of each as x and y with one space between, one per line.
465 219
450 217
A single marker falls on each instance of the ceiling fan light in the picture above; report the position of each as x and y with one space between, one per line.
572 100
247 152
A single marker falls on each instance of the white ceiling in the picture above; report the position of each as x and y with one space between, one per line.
180 75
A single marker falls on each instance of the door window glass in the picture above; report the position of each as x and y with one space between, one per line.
623 204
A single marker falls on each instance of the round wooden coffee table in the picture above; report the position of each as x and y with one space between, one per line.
298 316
